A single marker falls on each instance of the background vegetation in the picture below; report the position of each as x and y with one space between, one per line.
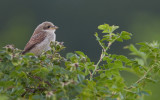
75 77
80 19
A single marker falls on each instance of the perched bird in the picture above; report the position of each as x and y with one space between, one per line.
41 38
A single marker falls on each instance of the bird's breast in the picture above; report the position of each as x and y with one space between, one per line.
44 45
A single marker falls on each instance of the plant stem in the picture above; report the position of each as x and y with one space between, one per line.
101 57
104 49
143 77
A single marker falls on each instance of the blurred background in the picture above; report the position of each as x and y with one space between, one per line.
78 20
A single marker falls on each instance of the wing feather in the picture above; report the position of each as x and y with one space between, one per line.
35 39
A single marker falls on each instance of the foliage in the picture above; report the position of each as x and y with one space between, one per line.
75 77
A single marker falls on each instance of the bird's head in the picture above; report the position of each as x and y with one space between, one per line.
45 26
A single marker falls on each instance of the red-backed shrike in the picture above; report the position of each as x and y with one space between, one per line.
41 38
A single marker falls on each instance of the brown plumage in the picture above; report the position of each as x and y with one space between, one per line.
41 38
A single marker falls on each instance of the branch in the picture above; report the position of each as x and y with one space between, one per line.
102 54
142 78
33 90
101 57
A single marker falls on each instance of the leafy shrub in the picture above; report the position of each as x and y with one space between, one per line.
75 77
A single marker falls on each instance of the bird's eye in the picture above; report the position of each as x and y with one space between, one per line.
48 26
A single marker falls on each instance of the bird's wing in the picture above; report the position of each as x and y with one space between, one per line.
35 39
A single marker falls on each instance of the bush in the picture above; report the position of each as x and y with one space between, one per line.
75 77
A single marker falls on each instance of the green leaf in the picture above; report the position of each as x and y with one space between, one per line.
80 53
113 28
102 75
141 43
69 55
117 64
30 54
81 78
105 31
103 27
125 35
96 35
119 39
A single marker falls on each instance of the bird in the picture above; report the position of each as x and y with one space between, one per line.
41 38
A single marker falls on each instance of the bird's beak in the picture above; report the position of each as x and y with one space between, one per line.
54 27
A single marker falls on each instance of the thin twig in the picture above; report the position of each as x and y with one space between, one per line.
142 78
101 57
102 54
